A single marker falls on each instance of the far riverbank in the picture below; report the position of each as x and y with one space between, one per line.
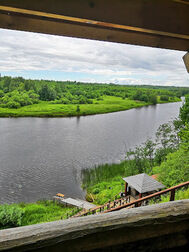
109 104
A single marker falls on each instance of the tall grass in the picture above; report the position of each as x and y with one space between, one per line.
103 182
106 172
102 172
22 214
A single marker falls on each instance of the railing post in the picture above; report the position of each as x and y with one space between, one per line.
172 195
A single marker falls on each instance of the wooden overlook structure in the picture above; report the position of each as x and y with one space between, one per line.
154 23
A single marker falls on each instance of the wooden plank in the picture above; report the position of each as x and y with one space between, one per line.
99 232
90 22
157 23
17 22
162 15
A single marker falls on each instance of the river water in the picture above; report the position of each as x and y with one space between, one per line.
42 156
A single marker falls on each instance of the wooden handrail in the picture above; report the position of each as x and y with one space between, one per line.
173 188
149 197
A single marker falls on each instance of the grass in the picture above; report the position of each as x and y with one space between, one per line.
104 182
105 191
46 109
33 213
103 172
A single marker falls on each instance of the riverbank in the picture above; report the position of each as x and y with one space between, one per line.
23 214
108 179
104 182
107 105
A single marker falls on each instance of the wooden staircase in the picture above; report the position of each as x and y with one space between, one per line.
107 206
129 202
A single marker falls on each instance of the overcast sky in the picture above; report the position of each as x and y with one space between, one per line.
40 56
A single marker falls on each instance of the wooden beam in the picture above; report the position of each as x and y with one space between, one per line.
89 22
157 23
126 185
186 61
172 195
25 23
107 232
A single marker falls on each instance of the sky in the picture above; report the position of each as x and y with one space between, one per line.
40 56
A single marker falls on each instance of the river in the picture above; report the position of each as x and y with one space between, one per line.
42 156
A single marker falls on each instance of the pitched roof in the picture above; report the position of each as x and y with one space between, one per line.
143 183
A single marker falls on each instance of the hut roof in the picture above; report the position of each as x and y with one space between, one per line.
143 183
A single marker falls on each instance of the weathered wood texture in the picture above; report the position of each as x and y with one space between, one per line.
161 226
158 23
186 61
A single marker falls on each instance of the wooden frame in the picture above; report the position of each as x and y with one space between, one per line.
156 23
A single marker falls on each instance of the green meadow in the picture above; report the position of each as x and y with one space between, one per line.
47 109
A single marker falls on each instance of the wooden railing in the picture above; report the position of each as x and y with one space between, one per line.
104 207
138 202
125 202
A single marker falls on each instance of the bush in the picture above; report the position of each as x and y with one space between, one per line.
78 109
153 99
1 93
10 216
164 98
13 104
96 191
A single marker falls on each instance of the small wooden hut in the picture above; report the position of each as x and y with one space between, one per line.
141 185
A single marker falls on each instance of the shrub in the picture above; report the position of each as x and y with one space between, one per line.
10 216
78 109
96 191
164 98
13 104
1 93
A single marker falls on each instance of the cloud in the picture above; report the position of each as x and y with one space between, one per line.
99 61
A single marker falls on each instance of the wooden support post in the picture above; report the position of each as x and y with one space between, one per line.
172 195
186 61
126 184
140 196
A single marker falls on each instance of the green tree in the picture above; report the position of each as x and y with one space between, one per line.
1 93
153 99
78 109
184 111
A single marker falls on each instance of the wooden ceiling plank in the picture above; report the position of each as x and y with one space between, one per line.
25 23
90 22
160 15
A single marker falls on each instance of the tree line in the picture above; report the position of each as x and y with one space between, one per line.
18 92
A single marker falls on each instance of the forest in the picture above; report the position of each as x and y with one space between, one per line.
66 98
